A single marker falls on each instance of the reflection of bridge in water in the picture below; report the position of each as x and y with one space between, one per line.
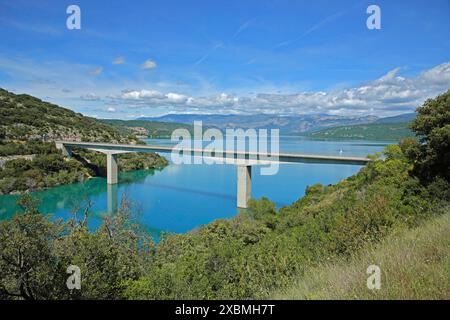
244 161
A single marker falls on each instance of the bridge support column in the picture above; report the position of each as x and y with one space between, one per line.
67 152
244 185
111 168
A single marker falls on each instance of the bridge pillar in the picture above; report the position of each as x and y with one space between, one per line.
67 152
111 168
244 185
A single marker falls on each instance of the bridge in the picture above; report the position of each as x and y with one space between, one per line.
244 160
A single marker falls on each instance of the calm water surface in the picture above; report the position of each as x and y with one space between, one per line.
179 198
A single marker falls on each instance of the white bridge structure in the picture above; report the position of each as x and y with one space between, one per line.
244 160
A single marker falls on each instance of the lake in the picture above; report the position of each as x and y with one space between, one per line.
180 198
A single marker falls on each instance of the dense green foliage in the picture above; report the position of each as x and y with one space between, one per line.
371 131
26 148
151 129
432 156
45 170
36 252
24 117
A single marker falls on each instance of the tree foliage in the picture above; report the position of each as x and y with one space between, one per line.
432 155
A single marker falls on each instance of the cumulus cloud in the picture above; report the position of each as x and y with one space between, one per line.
389 94
148 64
140 94
176 97
119 60
111 109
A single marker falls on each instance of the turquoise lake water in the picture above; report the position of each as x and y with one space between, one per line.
180 198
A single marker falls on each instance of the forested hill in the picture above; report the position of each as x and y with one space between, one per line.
29 160
370 131
24 117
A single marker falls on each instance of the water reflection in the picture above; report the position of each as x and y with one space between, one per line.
112 190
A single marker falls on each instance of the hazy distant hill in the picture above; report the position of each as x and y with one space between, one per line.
374 131
286 124
151 129
402 118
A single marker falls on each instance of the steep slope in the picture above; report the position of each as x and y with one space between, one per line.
414 264
23 117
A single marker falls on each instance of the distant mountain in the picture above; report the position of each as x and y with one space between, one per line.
405 117
371 131
389 128
287 124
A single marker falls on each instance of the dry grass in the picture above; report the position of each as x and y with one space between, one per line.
415 264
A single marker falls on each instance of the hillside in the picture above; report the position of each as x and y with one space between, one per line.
24 117
372 131
143 128
415 264
401 118
29 160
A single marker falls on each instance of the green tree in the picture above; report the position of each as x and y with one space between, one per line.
28 267
432 156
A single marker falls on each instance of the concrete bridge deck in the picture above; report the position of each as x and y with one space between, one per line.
243 159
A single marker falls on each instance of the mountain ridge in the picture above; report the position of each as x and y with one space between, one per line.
296 125
286 124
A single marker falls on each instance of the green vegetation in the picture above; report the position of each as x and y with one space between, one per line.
253 254
415 264
261 251
150 129
45 170
432 155
36 252
24 117
29 160
371 131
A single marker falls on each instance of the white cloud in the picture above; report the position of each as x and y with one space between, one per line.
111 109
119 60
148 64
389 94
141 94
175 97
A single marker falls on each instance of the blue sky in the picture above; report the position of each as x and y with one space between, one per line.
144 58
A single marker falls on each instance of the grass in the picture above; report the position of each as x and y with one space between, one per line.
415 264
